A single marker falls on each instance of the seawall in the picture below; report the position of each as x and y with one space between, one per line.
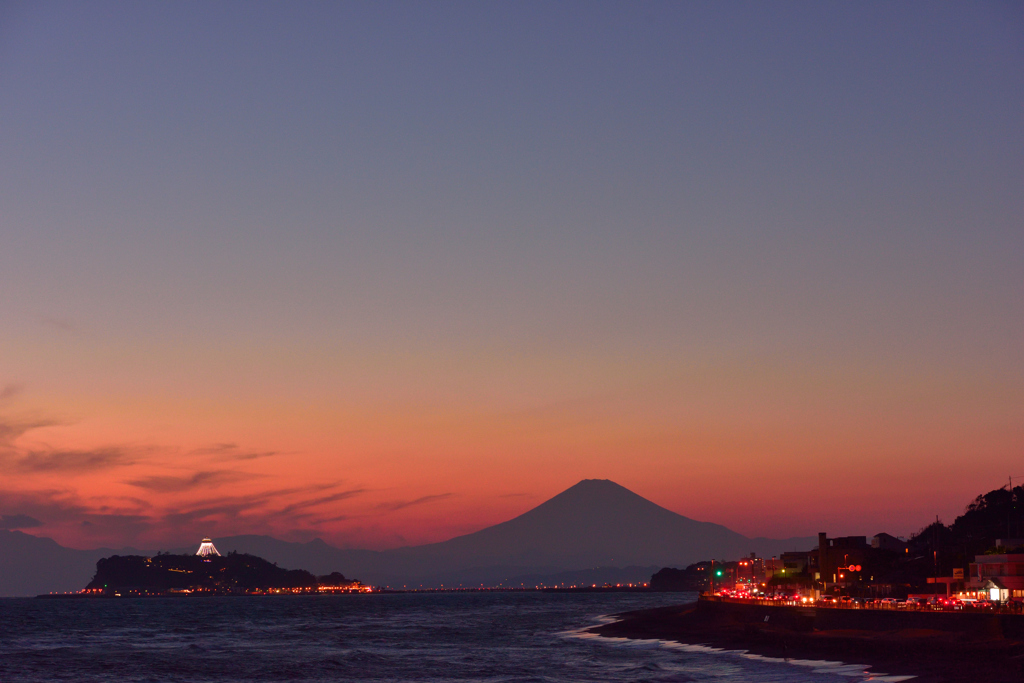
832 619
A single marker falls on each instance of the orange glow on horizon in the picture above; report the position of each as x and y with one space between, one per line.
384 475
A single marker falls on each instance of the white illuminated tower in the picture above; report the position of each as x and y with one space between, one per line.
206 549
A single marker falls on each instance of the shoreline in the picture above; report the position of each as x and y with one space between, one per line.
929 655
288 591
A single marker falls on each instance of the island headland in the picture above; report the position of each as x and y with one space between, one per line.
206 572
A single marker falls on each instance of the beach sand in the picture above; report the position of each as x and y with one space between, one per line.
931 656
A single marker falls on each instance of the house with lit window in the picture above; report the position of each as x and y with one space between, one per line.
997 577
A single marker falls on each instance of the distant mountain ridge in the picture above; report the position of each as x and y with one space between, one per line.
594 524
30 565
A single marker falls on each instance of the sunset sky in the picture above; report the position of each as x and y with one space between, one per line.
385 273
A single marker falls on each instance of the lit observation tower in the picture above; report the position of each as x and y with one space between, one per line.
206 549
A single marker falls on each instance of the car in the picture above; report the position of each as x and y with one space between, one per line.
955 604
828 601
888 603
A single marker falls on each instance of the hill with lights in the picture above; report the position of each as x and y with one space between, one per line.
213 574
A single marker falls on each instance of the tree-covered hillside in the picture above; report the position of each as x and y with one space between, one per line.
165 572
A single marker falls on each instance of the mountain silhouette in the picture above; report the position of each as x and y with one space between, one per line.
596 526
596 523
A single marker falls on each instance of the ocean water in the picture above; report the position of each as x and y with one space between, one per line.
437 637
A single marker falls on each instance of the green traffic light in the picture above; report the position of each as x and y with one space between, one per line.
718 573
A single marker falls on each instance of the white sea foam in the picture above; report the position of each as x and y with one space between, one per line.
856 672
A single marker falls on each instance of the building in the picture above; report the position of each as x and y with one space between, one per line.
799 562
888 542
997 577
207 549
841 560
749 573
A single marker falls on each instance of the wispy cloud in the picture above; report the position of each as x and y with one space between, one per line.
56 507
18 458
18 522
48 505
231 451
118 520
253 455
401 505
208 478
336 518
216 449
341 495
256 508
123 520
11 390
74 461
12 430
